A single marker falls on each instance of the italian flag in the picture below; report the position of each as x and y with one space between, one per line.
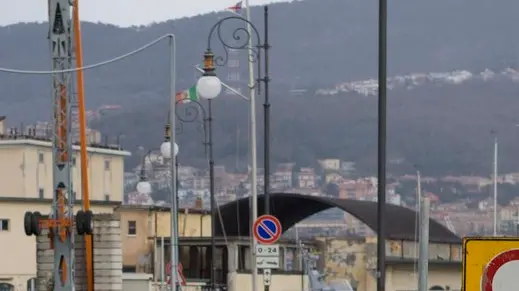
187 96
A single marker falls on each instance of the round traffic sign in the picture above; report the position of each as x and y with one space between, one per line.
267 229
500 274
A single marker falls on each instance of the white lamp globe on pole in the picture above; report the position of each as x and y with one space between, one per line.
165 150
144 187
209 87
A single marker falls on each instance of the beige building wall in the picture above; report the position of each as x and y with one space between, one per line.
151 223
17 248
355 260
191 223
26 171
136 243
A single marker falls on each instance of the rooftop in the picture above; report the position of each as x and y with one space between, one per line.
290 208
124 207
33 140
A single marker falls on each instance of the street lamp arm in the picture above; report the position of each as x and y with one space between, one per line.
144 186
237 35
190 112
192 109
147 155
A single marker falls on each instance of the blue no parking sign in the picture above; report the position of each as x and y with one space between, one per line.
267 229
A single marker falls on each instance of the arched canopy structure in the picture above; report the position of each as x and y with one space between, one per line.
291 208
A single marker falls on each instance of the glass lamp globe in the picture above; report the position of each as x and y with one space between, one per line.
144 187
165 150
209 87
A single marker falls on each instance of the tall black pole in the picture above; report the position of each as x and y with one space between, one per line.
382 132
175 247
266 110
178 182
212 195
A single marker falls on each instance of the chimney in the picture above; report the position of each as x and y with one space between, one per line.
198 203
94 137
2 125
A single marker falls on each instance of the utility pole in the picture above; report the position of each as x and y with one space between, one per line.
381 145
254 166
418 190
423 259
495 186
266 119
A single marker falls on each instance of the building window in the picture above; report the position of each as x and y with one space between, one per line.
41 193
132 227
107 197
107 165
41 158
6 287
74 195
74 161
243 258
4 224
31 284
129 269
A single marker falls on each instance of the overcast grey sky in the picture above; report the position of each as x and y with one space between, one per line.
118 12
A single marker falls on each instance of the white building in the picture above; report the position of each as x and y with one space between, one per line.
26 185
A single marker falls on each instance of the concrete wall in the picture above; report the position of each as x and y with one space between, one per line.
107 257
137 282
405 277
240 282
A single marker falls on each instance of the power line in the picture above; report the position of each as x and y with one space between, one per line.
96 65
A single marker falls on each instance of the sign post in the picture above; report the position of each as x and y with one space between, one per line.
490 264
267 230
267 277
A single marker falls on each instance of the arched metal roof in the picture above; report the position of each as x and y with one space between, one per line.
290 208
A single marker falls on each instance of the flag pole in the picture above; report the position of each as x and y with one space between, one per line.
254 183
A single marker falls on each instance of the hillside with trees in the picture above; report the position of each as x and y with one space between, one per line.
315 44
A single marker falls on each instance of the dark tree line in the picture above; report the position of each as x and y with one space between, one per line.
444 129
306 51
441 129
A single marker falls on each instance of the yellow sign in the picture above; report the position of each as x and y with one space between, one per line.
484 262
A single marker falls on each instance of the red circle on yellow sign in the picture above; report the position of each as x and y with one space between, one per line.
493 267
